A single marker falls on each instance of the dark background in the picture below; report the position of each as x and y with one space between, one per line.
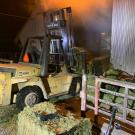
13 15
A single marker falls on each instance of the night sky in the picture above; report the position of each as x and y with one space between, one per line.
13 15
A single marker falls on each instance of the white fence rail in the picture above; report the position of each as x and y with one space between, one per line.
128 86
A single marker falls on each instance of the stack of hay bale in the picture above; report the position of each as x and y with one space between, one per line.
44 119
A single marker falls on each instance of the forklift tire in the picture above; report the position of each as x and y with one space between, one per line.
29 96
76 86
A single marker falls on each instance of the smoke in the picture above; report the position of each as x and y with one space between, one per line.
86 9
90 17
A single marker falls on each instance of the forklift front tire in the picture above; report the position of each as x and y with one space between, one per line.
28 96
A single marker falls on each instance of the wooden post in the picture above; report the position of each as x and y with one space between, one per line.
125 104
97 90
83 93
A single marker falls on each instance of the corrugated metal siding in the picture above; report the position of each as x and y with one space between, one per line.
123 35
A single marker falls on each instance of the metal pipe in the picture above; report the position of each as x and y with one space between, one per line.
112 119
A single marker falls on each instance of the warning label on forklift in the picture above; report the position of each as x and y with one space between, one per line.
21 73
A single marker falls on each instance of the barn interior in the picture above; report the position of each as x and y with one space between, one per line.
67 67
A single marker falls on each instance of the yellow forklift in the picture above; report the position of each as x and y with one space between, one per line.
47 65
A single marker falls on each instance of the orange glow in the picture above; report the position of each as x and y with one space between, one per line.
82 7
90 18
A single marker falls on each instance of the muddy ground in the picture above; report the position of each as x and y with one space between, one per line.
8 117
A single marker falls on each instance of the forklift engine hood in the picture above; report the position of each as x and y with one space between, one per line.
21 69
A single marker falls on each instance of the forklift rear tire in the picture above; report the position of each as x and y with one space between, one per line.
29 96
76 86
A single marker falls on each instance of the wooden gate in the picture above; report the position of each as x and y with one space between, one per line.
124 107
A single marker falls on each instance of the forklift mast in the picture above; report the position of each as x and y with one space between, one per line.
58 23
59 30
58 40
51 51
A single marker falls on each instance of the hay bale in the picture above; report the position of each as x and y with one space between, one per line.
98 65
91 80
44 119
8 120
111 77
7 112
9 127
112 72
90 91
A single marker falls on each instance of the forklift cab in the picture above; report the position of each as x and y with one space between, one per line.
34 50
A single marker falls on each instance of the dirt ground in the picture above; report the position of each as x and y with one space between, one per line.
8 117
73 105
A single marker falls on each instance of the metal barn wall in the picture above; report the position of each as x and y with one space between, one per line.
123 35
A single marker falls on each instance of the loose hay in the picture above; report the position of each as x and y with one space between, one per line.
7 112
8 120
9 127
44 119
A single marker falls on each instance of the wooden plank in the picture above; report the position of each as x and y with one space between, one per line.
125 104
123 107
116 82
111 92
83 93
97 91
117 117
